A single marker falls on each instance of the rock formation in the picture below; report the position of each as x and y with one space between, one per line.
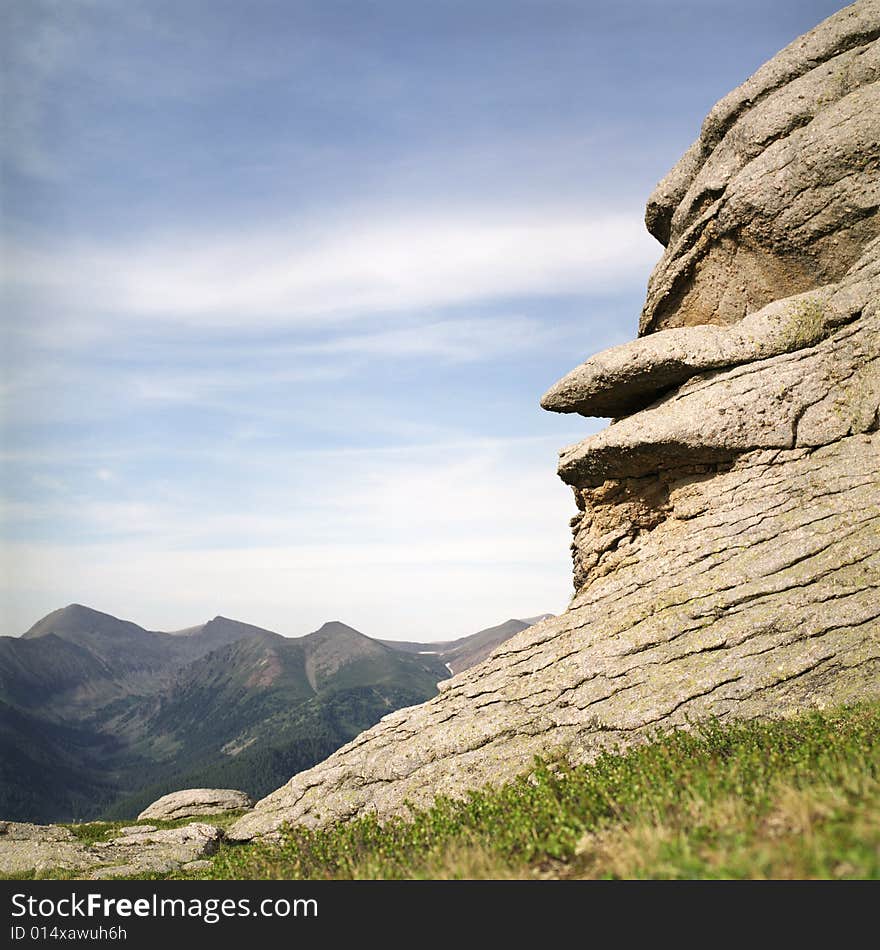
192 802
137 850
726 547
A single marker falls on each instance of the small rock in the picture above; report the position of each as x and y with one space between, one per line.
192 802
124 870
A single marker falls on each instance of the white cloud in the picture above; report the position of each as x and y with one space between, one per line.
334 357
106 380
413 542
401 595
469 339
301 275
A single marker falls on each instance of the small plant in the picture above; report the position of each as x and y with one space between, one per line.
93 832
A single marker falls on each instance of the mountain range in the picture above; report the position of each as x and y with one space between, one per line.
99 716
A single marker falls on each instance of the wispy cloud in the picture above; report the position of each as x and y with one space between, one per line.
277 282
349 534
373 493
235 377
454 339
294 276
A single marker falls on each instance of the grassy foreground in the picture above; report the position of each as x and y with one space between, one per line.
92 832
796 798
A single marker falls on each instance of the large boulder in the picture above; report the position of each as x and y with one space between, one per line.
726 554
192 802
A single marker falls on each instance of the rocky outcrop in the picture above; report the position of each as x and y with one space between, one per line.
27 847
148 850
626 378
780 193
726 553
192 802
137 850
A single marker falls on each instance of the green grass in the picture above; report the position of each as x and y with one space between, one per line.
91 832
788 798
792 798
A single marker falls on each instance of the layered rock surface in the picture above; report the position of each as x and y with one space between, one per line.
191 802
780 193
137 850
727 546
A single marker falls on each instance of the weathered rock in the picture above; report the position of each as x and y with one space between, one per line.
758 594
810 397
152 851
27 847
192 802
727 549
138 849
626 378
780 194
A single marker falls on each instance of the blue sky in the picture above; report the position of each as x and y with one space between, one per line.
283 283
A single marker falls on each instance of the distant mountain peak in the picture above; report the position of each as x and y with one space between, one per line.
458 655
81 611
224 629
75 618
337 627
536 619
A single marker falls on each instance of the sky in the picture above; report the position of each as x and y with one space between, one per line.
283 282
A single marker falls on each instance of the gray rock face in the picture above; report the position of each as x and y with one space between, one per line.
136 850
780 194
192 802
810 397
154 851
726 553
26 847
626 378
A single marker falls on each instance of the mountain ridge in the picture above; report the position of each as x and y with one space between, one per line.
222 702
464 652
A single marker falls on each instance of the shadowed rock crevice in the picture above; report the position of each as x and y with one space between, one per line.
725 546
